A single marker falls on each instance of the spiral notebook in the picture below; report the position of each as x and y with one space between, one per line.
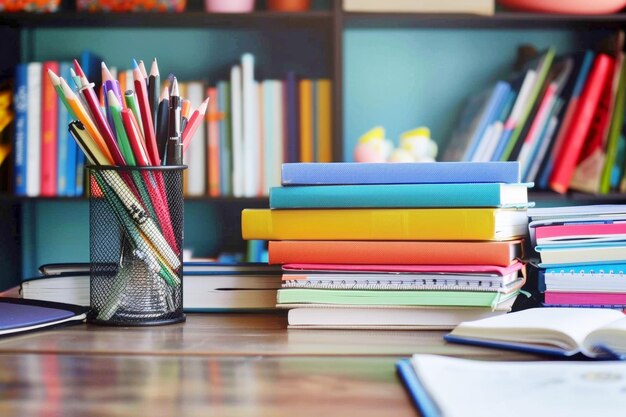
602 277
404 277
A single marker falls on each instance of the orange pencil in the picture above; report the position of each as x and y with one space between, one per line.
85 119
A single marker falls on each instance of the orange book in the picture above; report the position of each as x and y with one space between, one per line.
213 147
323 120
501 253
306 120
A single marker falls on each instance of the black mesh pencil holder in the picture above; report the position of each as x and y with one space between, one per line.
136 236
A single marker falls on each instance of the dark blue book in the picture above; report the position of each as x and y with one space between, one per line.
293 116
337 173
21 134
21 315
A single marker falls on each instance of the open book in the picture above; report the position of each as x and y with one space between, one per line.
593 332
451 387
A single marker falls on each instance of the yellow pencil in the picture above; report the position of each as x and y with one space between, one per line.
83 116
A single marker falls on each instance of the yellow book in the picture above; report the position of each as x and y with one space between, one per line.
323 120
306 120
385 224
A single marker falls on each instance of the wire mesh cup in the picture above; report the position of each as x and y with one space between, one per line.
136 236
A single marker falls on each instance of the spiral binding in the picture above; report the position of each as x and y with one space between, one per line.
416 284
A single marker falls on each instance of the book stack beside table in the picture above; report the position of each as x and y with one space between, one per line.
387 245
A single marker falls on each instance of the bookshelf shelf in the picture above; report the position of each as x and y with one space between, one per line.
194 19
504 20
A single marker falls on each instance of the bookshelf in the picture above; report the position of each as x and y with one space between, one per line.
375 61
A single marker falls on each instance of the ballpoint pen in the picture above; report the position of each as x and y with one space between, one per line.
162 122
174 152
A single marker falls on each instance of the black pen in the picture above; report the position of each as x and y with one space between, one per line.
174 152
162 122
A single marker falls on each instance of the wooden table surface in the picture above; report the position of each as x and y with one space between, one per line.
215 364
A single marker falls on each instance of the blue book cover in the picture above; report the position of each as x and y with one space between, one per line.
337 173
424 403
400 195
79 184
64 186
20 143
499 93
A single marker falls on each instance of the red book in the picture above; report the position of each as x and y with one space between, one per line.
49 131
578 129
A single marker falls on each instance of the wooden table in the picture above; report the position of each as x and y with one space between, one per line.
218 365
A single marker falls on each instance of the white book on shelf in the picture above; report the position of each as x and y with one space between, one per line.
33 122
195 157
483 7
250 126
273 118
236 131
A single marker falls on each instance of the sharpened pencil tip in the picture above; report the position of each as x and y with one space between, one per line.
203 106
67 91
53 78
106 74
112 99
154 69
175 87
135 64
165 94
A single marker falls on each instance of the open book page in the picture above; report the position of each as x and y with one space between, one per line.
562 327
610 337
469 388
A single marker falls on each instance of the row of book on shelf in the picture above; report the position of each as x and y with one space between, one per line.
560 116
251 127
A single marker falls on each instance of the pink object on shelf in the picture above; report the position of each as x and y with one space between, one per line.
566 6
229 6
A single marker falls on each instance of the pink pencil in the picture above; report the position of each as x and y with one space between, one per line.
194 121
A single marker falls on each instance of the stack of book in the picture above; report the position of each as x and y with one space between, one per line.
384 245
582 254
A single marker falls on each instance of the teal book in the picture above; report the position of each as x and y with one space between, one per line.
401 195
391 297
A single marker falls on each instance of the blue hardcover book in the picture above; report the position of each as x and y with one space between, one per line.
79 183
337 173
21 134
400 195
488 116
